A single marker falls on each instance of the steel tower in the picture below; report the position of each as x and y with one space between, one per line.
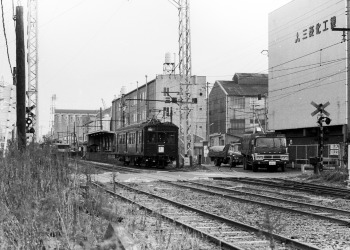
32 92
185 71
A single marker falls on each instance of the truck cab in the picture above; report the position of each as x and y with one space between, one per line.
264 151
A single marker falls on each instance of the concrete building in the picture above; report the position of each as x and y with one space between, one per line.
308 66
237 107
68 121
149 101
7 113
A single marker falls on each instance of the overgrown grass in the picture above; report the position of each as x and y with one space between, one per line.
40 201
42 205
335 176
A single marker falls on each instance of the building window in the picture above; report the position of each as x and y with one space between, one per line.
166 91
238 124
166 111
258 104
142 96
238 102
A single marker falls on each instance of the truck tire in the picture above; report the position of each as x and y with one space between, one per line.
283 168
233 164
217 162
255 167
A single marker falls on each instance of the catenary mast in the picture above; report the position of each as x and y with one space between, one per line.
32 92
185 71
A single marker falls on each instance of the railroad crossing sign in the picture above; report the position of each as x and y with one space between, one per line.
320 108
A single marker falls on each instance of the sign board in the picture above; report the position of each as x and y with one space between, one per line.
205 151
333 149
186 161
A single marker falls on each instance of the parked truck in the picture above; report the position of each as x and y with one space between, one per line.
227 154
264 151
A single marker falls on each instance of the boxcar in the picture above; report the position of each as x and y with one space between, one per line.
153 144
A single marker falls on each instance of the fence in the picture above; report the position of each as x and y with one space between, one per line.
332 153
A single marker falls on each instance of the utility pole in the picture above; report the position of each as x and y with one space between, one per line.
21 80
146 97
101 127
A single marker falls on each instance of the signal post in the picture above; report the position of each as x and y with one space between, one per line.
320 109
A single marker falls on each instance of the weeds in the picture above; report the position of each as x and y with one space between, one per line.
273 225
42 206
39 199
337 176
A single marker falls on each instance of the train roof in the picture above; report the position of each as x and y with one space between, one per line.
100 132
150 123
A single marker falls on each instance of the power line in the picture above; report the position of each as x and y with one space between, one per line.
308 87
4 29
301 83
290 35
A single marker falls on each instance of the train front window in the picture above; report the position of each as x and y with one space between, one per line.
161 137
152 137
171 138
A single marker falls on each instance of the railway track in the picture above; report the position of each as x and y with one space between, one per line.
114 167
298 223
225 232
294 185
321 212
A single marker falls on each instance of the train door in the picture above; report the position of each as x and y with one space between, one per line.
126 142
137 142
141 141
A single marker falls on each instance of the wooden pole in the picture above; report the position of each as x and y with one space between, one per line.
21 80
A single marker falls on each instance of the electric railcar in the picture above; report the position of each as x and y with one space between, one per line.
152 144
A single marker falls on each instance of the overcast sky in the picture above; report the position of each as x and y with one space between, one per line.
89 49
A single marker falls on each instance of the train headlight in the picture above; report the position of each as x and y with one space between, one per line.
160 148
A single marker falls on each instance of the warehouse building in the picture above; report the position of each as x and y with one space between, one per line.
72 125
308 71
237 107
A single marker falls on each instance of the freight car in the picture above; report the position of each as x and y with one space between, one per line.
152 144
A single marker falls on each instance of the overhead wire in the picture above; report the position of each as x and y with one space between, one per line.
291 35
4 30
301 83
306 18
295 91
326 8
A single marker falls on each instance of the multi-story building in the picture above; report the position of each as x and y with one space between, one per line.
154 100
237 107
308 66
70 122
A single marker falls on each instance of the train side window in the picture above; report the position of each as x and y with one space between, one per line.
152 137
